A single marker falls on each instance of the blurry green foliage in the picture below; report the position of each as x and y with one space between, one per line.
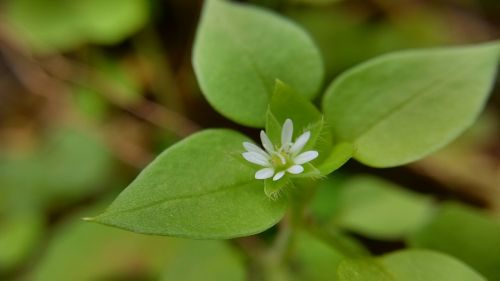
111 81
51 26
315 259
314 2
120 81
347 38
367 205
81 251
465 233
90 103
20 234
66 166
204 260
407 265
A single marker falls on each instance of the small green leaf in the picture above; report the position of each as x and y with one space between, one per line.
407 265
378 209
338 156
465 233
57 25
240 51
198 188
400 107
315 259
287 103
273 127
419 265
211 261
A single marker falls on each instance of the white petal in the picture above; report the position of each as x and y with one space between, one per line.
286 133
256 158
300 142
266 142
295 169
278 175
305 157
250 147
264 173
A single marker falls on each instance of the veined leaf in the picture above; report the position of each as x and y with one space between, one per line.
400 107
240 51
198 188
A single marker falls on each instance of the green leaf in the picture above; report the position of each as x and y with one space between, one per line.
338 156
379 209
315 259
240 51
400 107
198 188
407 265
362 270
19 234
58 25
465 233
211 261
95 252
48 175
287 104
117 18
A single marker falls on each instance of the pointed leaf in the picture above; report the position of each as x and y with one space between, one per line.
400 107
198 188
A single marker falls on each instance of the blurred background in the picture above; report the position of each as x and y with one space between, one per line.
92 90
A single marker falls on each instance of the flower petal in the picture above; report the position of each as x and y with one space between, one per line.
256 158
305 157
264 173
295 169
266 142
250 147
278 175
286 133
300 142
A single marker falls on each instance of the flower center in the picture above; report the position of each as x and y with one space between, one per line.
280 161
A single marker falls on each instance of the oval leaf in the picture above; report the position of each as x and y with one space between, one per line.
400 107
407 265
241 50
465 233
379 209
50 26
198 188
338 156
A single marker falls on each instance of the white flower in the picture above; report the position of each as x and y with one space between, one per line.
280 160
